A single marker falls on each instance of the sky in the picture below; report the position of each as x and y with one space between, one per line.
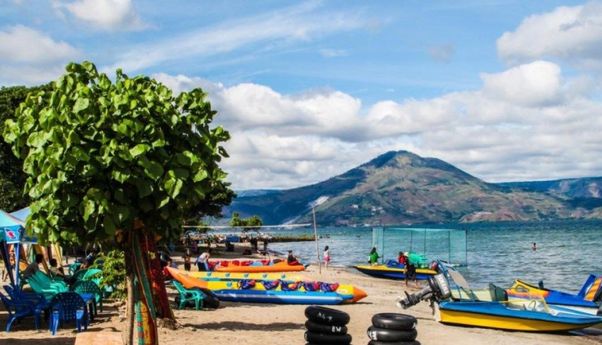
505 90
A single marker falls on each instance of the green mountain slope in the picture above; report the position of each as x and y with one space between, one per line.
403 188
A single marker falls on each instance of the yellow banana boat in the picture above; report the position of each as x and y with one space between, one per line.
273 291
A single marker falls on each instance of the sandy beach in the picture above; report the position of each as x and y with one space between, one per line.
261 324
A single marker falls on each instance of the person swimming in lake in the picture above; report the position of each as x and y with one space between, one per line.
534 246
373 257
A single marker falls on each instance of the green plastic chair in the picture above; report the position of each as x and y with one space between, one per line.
79 274
189 295
45 286
93 274
74 267
90 287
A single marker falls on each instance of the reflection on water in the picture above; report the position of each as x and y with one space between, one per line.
497 253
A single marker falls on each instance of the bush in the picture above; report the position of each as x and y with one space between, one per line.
112 265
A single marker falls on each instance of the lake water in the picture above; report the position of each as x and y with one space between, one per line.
497 253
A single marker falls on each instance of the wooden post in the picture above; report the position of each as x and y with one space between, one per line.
313 211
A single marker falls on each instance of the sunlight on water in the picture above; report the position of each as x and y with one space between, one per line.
497 253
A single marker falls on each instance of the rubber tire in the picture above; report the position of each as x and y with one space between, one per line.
400 322
374 342
319 338
326 316
391 335
325 329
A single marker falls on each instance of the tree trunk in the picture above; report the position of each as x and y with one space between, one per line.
128 332
157 280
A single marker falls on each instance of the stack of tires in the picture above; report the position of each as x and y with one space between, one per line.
326 326
392 329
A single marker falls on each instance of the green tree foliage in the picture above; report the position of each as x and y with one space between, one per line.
12 178
101 155
113 272
251 223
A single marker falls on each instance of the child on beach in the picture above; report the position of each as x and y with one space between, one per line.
55 270
326 256
291 259
187 262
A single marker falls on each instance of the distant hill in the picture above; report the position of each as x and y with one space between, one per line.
583 192
400 187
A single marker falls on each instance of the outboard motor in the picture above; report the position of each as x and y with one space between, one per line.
437 290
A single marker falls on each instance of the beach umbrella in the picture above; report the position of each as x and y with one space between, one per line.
12 232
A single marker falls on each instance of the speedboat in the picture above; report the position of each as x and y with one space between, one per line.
393 270
588 300
455 303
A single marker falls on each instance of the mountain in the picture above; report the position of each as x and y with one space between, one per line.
583 192
400 187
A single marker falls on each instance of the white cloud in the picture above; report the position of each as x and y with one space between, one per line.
331 53
29 56
23 44
105 14
570 33
534 84
514 128
297 23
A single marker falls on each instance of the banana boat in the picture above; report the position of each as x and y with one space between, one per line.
273 291
241 275
258 267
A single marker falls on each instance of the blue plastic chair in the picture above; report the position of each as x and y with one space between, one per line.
89 287
33 298
67 307
20 309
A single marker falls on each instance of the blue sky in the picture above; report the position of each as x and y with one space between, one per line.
506 90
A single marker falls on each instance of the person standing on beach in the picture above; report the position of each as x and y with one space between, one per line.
326 256
410 272
202 262
402 259
373 257
187 262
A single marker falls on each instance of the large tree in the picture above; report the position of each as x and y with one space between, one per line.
12 178
123 162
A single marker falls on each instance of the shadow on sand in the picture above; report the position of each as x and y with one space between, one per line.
45 341
242 326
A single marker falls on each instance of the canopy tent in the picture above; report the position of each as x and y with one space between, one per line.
12 232
21 214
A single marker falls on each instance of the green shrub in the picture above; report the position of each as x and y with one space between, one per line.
112 265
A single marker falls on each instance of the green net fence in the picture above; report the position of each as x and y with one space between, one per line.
449 245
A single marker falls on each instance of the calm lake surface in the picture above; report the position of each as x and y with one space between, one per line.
497 253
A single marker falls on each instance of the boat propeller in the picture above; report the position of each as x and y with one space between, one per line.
436 291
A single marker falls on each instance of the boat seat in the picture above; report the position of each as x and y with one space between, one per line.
497 293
